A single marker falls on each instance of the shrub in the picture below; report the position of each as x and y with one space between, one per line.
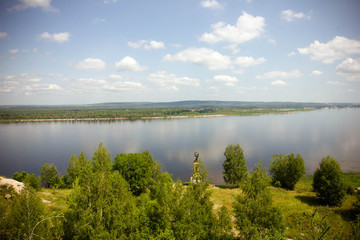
138 169
287 170
235 169
256 218
49 176
328 182
33 181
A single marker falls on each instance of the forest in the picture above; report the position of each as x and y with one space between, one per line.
138 110
131 197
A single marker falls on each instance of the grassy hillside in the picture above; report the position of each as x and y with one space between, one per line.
304 216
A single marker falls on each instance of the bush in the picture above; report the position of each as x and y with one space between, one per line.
256 218
138 169
328 182
49 176
33 181
287 170
235 169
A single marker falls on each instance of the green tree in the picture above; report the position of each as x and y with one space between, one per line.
74 168
23 217
235 169
20 176
328 182
287 170
29 179
33 181
256 218
138 169
101 205
49 175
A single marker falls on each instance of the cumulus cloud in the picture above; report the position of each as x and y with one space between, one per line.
147 44
278 83
165 79
91 64
335 83
350 69
124 86
245 61
228 80
279 74
3 35
129 64
55 37
202 56
246 28
213 4
98 20
13 51
316 73
290 15
336 49
45 5
27 84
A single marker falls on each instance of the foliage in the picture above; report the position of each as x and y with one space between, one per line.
138 169
328 182
32 181
100 205
235 169
74 168
22 217
29 179
49 176
20 176
256 218
287 170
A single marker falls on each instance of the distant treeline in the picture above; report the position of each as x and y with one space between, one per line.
153 110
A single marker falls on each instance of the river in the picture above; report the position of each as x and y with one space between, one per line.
314 134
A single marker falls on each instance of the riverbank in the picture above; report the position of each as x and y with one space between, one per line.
297 206
239 113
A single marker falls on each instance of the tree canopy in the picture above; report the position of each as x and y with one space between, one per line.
235 169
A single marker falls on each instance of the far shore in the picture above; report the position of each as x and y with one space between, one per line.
145 118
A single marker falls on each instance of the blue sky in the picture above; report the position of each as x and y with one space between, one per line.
92 51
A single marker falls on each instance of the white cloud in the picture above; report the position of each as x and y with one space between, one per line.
13 51
110 1
166 79
115 77
290 15
214 4
146 44
91 64
3 35
56 37
350 69
335 83
228 80
154 45
45 5
124 86
278 83
316 73
247 28
291 54
245 61
98 20
336 49
279 74
202 56
129 64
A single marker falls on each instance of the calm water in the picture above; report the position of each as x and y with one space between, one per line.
316 134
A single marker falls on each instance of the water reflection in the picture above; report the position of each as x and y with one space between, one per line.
314 135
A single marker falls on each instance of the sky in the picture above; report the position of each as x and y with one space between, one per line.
60 52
